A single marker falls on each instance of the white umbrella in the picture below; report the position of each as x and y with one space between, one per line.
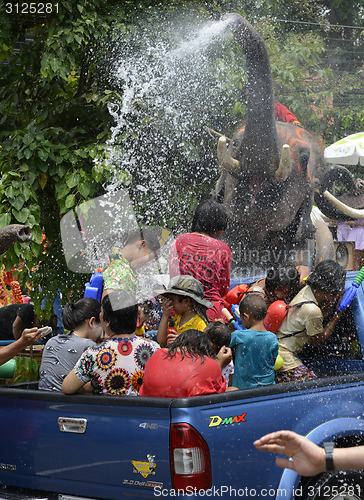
347 151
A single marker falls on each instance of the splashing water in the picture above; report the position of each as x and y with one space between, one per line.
167 94
205 37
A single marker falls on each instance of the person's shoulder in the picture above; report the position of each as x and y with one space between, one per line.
89 343
272 337
224 245
303 296
198 319
212 363
184 237
25 309
238 335
143 341
308 301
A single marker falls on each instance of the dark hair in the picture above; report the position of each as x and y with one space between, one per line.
209 217
328 276
198 308
254 305
75 313
151 239
286 276
121 311
219 334
193 343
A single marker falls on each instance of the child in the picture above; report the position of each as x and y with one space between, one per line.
220 336
185 295
119 273
187 368
61 352
256 348
117 366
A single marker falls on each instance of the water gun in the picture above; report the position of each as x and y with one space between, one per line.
94 287
233 296
351 291
237 324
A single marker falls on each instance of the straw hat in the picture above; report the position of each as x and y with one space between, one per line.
187 286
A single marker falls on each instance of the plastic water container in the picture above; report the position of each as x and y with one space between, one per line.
94 287
7 370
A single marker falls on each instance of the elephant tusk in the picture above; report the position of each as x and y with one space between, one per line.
226 161
354 213
284 168
217 134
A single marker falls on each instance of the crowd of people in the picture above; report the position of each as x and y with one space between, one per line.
198 348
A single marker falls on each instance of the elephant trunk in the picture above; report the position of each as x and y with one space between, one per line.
260 129
12 234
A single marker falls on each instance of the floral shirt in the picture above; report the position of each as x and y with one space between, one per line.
118 274
117 366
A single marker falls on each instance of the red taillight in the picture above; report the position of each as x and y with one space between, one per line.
190 458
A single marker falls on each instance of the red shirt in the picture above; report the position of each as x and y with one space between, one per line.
206 259
283 114
181 378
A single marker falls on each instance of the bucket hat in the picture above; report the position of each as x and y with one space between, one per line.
187 286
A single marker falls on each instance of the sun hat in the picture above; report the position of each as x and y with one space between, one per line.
187 286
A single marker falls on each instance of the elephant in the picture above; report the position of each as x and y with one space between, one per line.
271 173
12 234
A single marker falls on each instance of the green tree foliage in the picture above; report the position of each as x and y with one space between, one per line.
55 86
53 124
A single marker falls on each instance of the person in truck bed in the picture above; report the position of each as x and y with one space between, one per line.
184 306
116 366
220 336
60 354
304 321
256 348
119 273
204 256
187 368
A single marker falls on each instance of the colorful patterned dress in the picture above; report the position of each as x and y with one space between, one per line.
117 366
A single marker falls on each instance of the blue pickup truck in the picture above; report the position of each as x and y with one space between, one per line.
62 447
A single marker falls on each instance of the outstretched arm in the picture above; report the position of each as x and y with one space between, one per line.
308 459
29 336
305 457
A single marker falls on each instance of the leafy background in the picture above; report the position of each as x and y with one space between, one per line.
56 84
